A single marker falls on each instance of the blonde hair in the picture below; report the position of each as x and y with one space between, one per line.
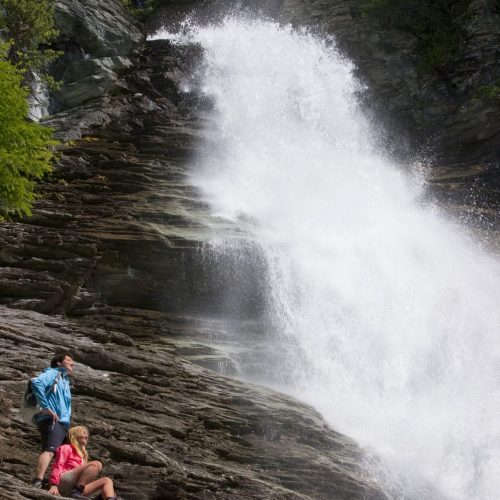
73 434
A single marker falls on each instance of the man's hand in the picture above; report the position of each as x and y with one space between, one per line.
54 490
48 411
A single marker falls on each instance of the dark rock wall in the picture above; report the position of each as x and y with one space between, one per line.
118 222
99 42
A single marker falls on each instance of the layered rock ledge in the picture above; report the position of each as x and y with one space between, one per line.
164 427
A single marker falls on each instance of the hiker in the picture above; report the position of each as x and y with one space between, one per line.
53 392
72 475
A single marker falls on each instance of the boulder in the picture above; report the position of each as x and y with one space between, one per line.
99 42
102 29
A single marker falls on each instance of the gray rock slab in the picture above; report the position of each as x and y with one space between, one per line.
163 427
100 28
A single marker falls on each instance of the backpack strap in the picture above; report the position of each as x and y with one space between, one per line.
53 387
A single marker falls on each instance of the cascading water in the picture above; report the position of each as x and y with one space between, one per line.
385 315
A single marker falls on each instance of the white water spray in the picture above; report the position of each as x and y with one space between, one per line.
387 315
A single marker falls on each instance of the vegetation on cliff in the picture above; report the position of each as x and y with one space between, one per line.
438 26
144 9
490 93
29 27
140 8
25 147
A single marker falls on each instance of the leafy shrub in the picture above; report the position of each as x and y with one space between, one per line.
25 147
29 26
144 9
140 8
490 93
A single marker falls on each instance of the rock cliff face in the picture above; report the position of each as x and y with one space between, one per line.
165 427
112 266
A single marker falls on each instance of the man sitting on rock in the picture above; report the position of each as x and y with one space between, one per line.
53 392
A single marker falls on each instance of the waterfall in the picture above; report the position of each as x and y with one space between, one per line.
384 314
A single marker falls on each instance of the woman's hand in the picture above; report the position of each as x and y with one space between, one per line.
54 490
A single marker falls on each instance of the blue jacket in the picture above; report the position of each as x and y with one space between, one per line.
57 399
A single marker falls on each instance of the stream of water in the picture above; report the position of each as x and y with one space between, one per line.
385 314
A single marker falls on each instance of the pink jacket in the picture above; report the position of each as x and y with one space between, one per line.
66 459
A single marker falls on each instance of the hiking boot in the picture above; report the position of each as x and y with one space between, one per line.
77 492
37 483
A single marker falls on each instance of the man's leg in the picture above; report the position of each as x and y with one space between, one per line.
43 464
53 435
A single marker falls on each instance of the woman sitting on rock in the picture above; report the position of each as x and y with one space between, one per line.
72 475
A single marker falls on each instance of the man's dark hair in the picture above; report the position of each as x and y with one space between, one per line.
59 357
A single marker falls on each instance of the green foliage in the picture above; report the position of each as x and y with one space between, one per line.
140 9
145 9
438 25
489 93
29 25
25 147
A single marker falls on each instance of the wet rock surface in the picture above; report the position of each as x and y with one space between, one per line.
102 30
119 221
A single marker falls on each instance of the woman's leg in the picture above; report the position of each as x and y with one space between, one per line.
89 472
67 481
103 483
